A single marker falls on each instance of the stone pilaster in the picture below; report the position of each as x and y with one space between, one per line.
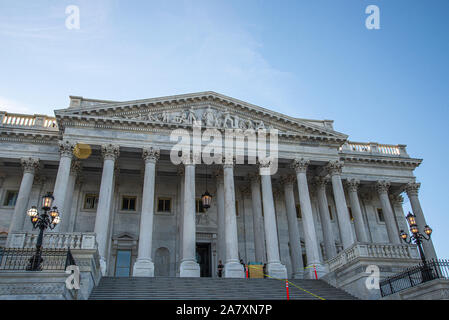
258 224
144 266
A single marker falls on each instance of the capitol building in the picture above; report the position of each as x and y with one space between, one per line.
331 208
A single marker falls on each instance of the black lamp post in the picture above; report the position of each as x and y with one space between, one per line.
48 219
416 236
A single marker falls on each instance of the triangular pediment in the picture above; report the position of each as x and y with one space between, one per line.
210 109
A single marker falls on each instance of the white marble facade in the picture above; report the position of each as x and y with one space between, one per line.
108 166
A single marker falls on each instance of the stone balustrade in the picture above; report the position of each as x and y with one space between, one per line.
26 120
55 240
374 148
373 250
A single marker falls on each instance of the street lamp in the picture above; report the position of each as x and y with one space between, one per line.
418 238
48 219
206 197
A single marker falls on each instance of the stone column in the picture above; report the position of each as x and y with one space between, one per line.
311 243
412 190
360 230
189 266
390 222
62 181
274 266
181 171
110 153
259 234
75 170
344 222
326 223
144 266
29 165
221 244
233 268
293 230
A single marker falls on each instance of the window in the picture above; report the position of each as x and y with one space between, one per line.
164 205
330 213
350 214
11 198
128 203
236 208
380 215
199 206
90 201
123 263
298 211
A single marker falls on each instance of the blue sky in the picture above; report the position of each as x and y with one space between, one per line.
309 59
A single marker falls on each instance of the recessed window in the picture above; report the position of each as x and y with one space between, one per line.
237 208
298 211
128 203
164 205
91 201
380 215
199 206
330 213
350 214
11 198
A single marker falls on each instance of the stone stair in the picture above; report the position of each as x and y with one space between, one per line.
170 288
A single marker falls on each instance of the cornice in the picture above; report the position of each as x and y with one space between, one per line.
388 160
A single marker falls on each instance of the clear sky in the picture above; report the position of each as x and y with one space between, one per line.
310 59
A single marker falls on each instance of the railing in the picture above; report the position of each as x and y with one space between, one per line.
27 120
373 250
55 240
13 259
374 148
433 269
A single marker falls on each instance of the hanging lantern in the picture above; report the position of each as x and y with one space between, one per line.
47 201
54 212
32 212
411 219
206 199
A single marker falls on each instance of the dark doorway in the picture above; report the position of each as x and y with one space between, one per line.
203 258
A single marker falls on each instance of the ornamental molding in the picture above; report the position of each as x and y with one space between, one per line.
151 154
29 164
110 151
383 160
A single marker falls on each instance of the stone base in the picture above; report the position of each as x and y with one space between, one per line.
298 275
143 267
234 270
277 270
309 272
189 269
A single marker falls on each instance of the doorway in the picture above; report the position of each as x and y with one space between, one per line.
203 257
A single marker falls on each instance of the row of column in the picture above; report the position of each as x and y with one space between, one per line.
266 239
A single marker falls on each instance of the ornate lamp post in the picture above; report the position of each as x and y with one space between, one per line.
48 219
416 236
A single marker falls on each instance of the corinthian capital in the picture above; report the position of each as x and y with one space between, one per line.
334 167
288 179
151 154
320 182
66 148
396 199
254 177
110 151
412 188
29 164
352 185
382 186
300 165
